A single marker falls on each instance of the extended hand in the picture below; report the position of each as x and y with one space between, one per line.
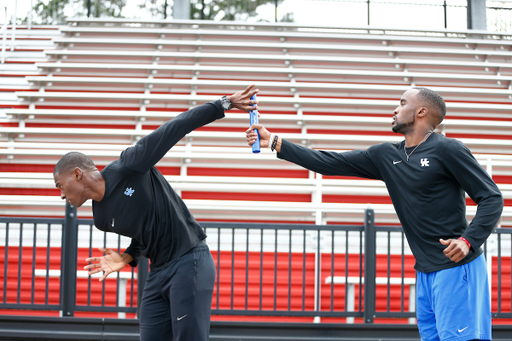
242 99
264 135
109 263
456 250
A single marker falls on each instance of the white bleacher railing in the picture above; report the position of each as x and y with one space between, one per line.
122 277
279 47
283 27
317 186
207 209
283 88
212 138
392 62
300 34
3 31
256 73
273 121
272 103
351 282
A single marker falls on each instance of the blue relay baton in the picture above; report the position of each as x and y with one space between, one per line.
253 115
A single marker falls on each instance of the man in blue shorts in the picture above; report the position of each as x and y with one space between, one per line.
132 198
427 176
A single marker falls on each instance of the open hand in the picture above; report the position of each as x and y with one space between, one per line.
456 249
111 262
242 99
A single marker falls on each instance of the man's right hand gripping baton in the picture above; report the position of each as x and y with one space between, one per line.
253 115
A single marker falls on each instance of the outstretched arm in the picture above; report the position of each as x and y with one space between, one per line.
361 163
151 148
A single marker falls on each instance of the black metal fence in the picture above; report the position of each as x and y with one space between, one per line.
345 273
41 272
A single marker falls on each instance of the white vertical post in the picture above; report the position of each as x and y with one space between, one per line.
491 247
412 302
489 166
30 15
318 260
121 296
491 241
14 17
185 161
351 298
181 9
477 15
4 29
316 319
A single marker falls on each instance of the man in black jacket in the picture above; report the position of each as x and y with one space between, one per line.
427 176
132 198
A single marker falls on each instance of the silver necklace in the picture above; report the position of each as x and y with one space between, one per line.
424 139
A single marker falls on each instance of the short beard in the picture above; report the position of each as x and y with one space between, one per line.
402 128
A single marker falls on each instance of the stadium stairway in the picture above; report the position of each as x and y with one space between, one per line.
20 57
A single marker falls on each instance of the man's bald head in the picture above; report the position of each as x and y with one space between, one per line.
72 160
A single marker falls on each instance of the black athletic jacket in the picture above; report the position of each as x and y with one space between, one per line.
139 203
427 191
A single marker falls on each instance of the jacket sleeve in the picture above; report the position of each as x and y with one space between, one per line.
360 163
151 148
134 251
479 186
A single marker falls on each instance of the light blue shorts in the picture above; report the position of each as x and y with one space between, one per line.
454 304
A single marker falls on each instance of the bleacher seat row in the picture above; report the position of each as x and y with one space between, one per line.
105 83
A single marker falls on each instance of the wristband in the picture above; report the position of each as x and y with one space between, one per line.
466 241
274 143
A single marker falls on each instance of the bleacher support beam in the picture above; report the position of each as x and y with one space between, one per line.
477 15
181 9
69 266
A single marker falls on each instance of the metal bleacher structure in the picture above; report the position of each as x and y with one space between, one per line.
106 83
98 85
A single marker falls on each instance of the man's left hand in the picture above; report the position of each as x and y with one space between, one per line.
456 249
242 99
111 262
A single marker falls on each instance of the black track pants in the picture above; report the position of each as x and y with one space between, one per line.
176 303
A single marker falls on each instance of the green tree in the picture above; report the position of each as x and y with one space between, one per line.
54 12
229 9
157 8
50 12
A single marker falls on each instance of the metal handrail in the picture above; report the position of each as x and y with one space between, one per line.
13 29
287 27
4 31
